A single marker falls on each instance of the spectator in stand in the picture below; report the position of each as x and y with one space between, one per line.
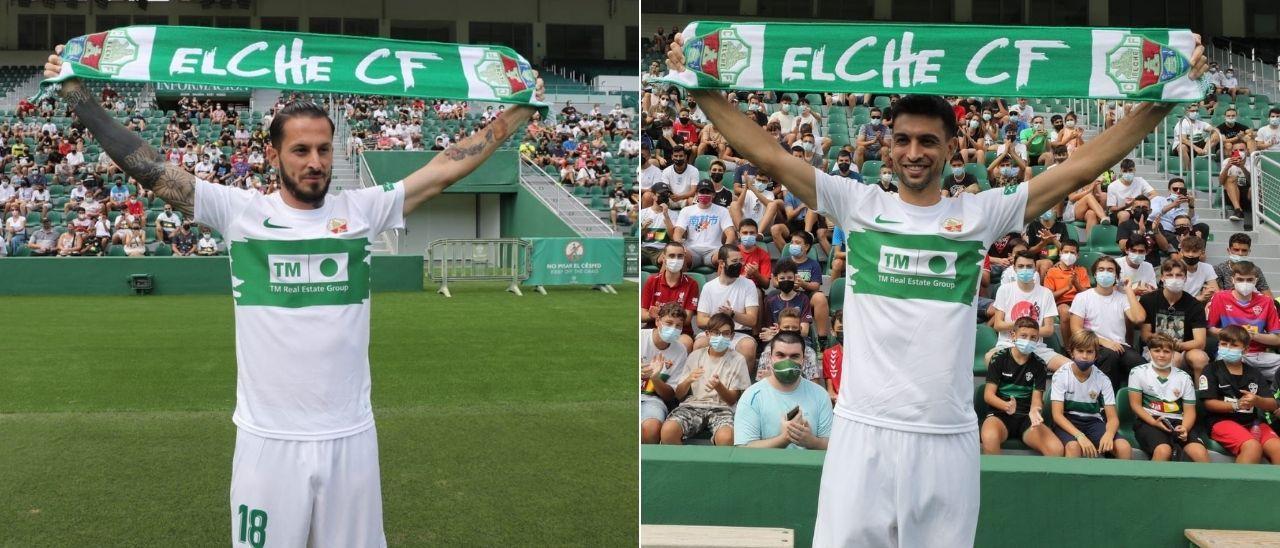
872 139
1238 250
1122 193
705 227
808 278
833 357
1045 236
1235 179
15 230
656 224
1256 313
792 320
1176 314
1025 299
1193 136
207 245
1103 312
44 241
670 284
628 147
784 410
716 378
1269 135
135 240
119 194
1233 393
723 196
99 232
70 244
1018 374
1163 400
1065 279
755 259
735 297
681 177
662 360
1141 226
1003 172
1202 279
183 243
959 181
1074 399
1232 86
1134 269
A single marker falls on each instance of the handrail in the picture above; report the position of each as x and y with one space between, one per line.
1255 189
533 168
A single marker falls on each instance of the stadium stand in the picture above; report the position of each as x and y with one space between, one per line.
841 124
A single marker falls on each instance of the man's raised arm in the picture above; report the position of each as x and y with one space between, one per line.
126 148
749 139
1051 187
464 156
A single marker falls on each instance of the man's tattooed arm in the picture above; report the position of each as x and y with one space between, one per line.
461 158
130 152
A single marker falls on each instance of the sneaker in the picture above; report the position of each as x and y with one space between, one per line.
1105 220
1236 214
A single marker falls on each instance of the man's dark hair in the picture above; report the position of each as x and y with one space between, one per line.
1273 111
784 267
804 235
724 252
1068 242
296 109
1135 242
1240 238
1126 163
749 222
932 106
1028 255
786 337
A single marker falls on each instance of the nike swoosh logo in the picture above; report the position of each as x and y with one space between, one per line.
886 221
267 223
1007 374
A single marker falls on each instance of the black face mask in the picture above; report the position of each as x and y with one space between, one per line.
679 161
717 177
786 286
733 270
844 166
1191 261
1182 229
684 119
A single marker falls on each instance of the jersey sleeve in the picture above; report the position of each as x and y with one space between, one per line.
1002 210
1273 320
741 378
838 196
217 205
382 206
1215 310
1188 389
1108 392
646 294
691 298
1058 384
825 418
993 368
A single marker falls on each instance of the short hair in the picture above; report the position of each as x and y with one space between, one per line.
789 312
804 235
957 158
749 222
1274 111
672 244
1068 242
291 110
785 267
1169 264
1234 334
1240 238
1231 109
843 154
1126 163
875 110
678 150
1135 242
1182 216
1193 243
1160 340
1059 149
1025 322
715 163
931 106
719 320
1142 198
672 309
786 337
1083 339
724 252
1244 268
1104 259
1025 255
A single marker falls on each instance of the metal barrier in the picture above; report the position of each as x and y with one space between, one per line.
505 259
1265 190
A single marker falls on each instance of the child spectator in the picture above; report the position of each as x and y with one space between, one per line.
662 359
1246 307
1233 393
1065 280
1016 373
1163 399
833 356
1077 414
708 392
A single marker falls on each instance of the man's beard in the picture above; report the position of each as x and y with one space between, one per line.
304 196
934 174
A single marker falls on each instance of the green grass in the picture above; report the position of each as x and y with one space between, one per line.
502 420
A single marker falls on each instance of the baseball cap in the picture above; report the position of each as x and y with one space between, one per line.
660 187
705 186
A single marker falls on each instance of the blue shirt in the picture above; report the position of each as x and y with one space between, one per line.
1166 221
119 193
762 407
809 270
791 201
837 239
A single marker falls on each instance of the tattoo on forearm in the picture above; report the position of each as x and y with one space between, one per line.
495 133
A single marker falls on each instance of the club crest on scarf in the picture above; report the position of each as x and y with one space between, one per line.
721 55
505 75
1138 63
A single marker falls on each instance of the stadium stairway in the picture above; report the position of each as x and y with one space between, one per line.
569 208
24 90
345 177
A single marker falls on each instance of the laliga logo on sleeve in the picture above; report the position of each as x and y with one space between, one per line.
953 225
337 226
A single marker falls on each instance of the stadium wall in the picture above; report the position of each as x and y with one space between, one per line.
1026 501
173 275
524 216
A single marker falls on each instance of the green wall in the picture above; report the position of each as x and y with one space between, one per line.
500 173
173 275
524 216
1026 500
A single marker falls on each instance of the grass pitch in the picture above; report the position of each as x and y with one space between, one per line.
502 420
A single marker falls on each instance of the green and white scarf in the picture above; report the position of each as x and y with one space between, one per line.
960 60
299 62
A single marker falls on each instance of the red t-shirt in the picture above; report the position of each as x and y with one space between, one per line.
135 208
832 363
759 257
689 131
1256 316
657 292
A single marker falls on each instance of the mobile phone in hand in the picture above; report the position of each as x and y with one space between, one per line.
791 415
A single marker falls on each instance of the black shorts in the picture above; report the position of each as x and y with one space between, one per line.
1016 424
1150 437
1093 428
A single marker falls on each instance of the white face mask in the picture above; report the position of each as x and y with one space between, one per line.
1069 259
1069 123
1175 284
1245 288
674 265
1237 258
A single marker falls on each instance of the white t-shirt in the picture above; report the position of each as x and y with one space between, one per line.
1081 398
1144 273
740 294
1118 192
704 228
1103 315
913 275
674 356
752 207
1270 136
1162 398
1195 130
1198 277
207 244
300 281
680 183
1037 304
651 174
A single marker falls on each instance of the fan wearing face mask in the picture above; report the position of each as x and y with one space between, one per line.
1083 404
1175 313
1233 393
1122 193
1269 135
1106 311
1163 400
763 417
1244 306
1193 136
662 359
716 376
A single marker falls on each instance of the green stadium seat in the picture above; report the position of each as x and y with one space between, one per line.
835 300
1087 258
698 277
1127 416
981 408
986 340
1103 240
163 251
116 251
